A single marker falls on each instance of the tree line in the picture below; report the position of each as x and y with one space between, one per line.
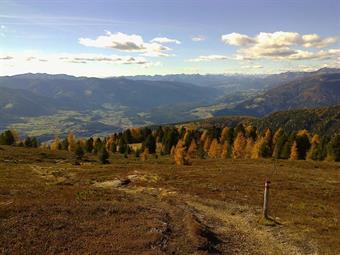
183 144
240 142
11 137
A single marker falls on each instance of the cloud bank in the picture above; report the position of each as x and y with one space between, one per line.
130 43
281 46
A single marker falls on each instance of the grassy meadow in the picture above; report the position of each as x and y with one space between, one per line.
49 204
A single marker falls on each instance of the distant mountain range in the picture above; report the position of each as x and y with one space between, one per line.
301 93
236 82
45 105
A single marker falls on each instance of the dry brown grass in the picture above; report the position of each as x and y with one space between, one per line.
48 205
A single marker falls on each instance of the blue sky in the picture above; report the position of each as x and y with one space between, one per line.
110 38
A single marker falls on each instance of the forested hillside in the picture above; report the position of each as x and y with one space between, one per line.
243 141
303 93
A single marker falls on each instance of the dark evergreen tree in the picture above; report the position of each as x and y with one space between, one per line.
113 148
170 139
127 136
103 155
79 152
35 142
97 145
322 148
334 147
239 128
182 132
303 145
286 150
145 132
150 144
89 145
28 142
159 133
7 138
123 147
230 137
214 132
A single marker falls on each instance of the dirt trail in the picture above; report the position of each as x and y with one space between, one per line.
214 227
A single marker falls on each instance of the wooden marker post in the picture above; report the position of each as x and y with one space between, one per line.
266 199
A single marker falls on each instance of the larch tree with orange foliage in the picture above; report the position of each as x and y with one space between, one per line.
294 154
204 136
239 146
261 149
224 134
312 154
145 154
215 149
206 145
180 154
227 150
249 147
192 151
72 142
277 135
56 144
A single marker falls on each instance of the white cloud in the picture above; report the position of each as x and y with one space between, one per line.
279 39
280 46
252 67
315 41
207 58
285 53
165 40
73 58
237 39
198 38
83 64
124 42
86 58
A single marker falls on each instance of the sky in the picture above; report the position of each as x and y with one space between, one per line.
104 38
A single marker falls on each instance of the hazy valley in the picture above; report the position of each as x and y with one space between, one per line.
45 105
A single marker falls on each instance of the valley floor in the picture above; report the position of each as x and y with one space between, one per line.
50 206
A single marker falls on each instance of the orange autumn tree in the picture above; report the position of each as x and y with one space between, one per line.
180 154
215 149
312 153
72 142
262 147
249 147
277 135
227 150
224 134
56 144
110 143
239 146
207 144
145 154
204 136
294 155
192 151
